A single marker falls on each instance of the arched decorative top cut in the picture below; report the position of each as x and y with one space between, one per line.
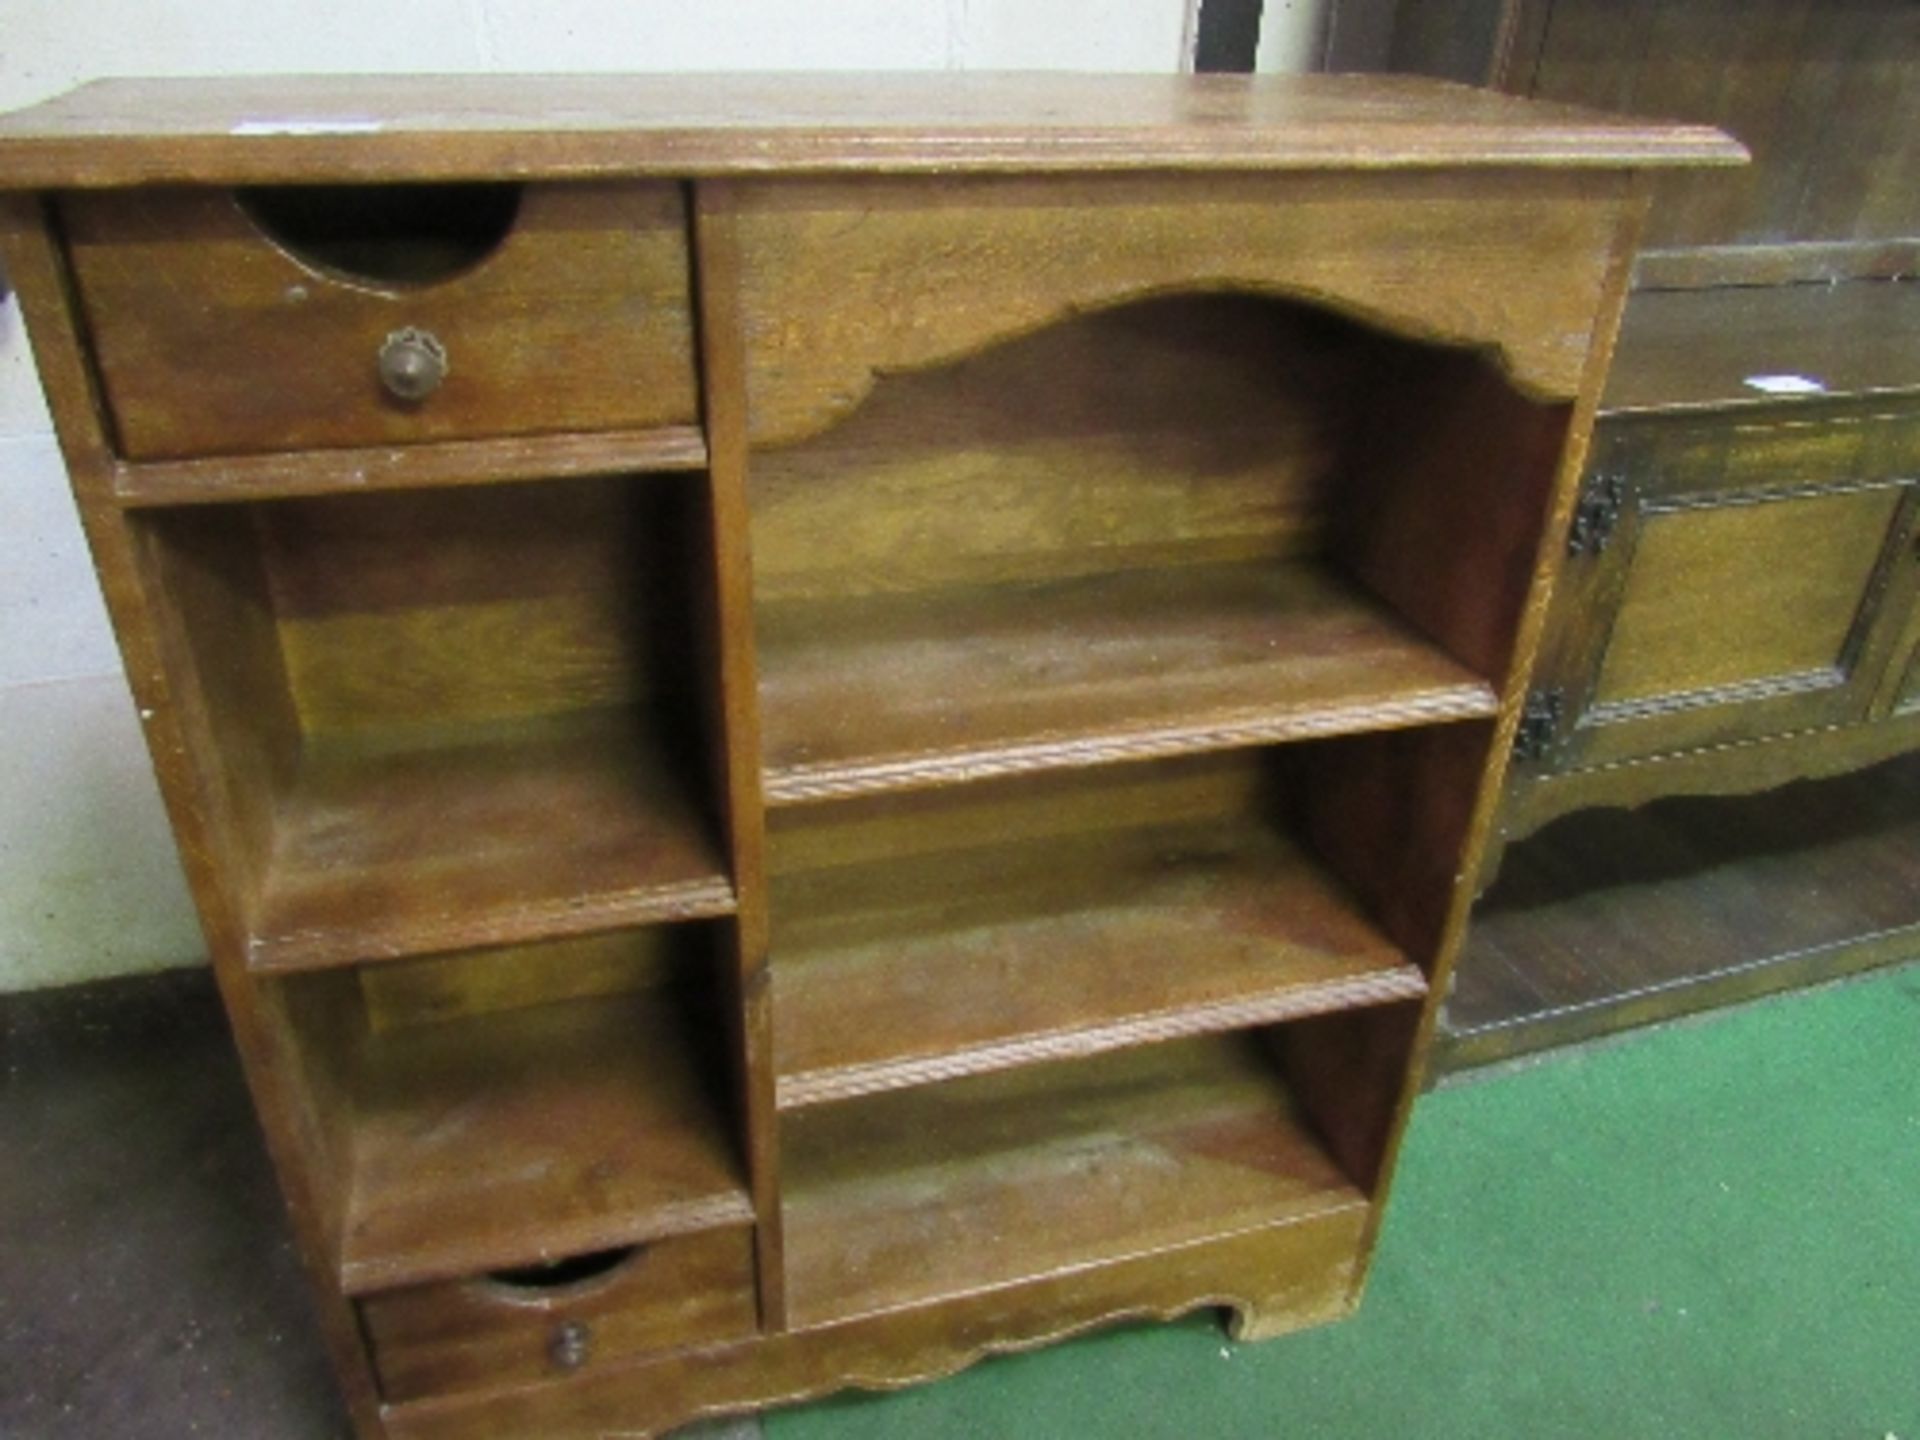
898 275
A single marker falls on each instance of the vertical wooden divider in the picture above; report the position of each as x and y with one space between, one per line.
181 751
722 342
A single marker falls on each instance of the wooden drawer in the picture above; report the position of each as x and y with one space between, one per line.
514 1327
230 322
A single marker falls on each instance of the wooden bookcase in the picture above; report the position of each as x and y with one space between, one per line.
1741 611
821 728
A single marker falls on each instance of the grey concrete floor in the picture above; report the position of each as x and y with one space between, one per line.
148 1285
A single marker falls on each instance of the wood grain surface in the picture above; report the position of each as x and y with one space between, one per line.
468 816
966 961
1295 1273
421 684
508 1139
1185 430
439 988
1823 95
481 1334
1686 348
1620 917
214 339
735 709
409 467
1756 581
879 275
897 1199
334 128
1745 593
861 695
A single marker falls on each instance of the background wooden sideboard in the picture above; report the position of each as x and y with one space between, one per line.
1717 769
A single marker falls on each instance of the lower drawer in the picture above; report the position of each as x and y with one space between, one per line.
552 1320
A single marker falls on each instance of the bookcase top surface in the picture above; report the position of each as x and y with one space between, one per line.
318 129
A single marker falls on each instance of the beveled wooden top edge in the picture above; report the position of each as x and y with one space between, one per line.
240 130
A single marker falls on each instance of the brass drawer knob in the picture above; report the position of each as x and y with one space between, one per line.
571 1345
412 364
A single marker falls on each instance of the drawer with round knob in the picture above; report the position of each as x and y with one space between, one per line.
284 318
559 1319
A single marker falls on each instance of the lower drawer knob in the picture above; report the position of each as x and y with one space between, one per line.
412 364
572 1345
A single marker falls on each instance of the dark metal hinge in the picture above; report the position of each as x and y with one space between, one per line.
1598 511
1539 727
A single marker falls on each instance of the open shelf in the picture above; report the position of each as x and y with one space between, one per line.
1608 918
874 693
519 1134
1180 524
450 717
471 816
902 1199
955 963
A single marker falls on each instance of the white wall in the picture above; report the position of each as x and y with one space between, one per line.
89 885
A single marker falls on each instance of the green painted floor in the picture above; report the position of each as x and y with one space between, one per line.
1704 1231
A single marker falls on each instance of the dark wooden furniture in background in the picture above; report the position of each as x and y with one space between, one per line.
1740 607
652 774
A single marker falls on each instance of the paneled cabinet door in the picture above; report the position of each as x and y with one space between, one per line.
1738 575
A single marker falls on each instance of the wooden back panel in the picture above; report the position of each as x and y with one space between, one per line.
500 601
1185 430
474 982
1220 787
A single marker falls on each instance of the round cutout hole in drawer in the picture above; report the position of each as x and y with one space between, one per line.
568 1276
399 237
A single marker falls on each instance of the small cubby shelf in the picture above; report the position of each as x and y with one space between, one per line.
452 717
514 1106
470 813
1192 910
899 1200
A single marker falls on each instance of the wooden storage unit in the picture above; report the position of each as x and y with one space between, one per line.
955 849
1740 604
